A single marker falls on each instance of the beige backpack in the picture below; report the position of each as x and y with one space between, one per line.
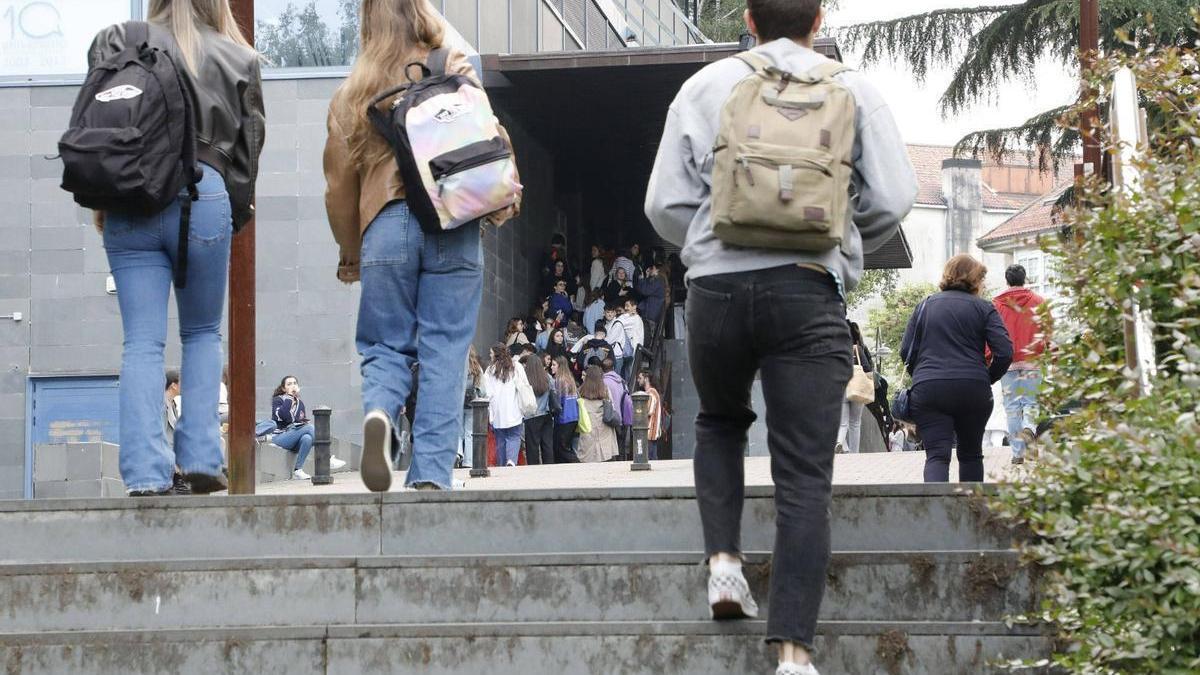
782 160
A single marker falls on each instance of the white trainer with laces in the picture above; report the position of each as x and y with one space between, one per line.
729 594
376 468
335 463
789 668
299 474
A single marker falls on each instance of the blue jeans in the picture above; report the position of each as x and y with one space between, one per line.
508 445
466 444
1020 389
298 440
420 299
142 253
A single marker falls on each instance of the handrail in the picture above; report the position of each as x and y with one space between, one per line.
692 30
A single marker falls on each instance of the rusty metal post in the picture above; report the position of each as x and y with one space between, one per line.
242 329
641 431
479 434
321 443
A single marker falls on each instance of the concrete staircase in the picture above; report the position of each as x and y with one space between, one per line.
594 581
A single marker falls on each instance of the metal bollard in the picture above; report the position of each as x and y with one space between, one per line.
479 434
641 430
321 443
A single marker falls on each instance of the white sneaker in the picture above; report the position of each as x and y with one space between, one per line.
729 594
376 467
299 474
789 668
335 463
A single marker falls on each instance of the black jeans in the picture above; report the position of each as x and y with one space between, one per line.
539 440
949 409
790 323
564 434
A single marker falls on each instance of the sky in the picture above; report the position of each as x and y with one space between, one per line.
915 104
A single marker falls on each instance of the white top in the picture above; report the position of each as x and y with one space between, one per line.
636 328
615 334
597 275
504 410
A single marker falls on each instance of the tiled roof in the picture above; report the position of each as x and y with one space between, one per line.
927 161
1036 218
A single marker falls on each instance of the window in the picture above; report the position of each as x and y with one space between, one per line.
1039 272
307 33
46 40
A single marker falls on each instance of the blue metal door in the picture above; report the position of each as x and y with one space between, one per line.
70 410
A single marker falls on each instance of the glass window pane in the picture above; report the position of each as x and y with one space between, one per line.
50 38
307 33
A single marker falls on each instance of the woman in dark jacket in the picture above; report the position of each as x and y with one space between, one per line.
944 350
143 250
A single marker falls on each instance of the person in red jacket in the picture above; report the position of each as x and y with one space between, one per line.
1018 308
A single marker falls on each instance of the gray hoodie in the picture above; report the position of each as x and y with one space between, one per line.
679 198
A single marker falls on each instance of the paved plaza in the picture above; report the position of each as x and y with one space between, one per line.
863 469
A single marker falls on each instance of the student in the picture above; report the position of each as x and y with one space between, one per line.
593 346
381 242
222 69
600 443
651 292
556 346
850 427
654 412
944 350
514 333
594 311
472 389
566 425
620 285
560 304
622 401
504 408
293 430
618 337
539 427
1019 386
597 273
780 310
635 328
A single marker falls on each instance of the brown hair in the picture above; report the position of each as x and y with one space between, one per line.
502 364
474 367
593 385
963 273
184 19
513 327
784 18
565 380
393 33
539 379
281 390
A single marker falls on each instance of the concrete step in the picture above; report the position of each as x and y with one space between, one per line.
877 586
659 648
865 518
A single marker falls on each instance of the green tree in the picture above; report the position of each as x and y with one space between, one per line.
991 44
1112 506
299 38
721 20
889 322
874 283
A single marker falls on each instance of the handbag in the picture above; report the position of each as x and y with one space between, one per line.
902 405
612 418
526 399
584 425
861 388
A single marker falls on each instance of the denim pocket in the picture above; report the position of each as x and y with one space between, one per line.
211 220
386 240
460 247
706 310
810 322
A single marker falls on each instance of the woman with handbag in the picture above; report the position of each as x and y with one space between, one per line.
599 444
859 393
501 381
472 389
944 349
539 427
568 422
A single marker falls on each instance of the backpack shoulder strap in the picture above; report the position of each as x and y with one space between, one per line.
437 61
828 70
756 62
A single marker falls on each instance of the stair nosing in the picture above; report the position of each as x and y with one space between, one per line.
416 561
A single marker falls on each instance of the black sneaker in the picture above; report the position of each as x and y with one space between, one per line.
1018 461
181 486
152 493
203 483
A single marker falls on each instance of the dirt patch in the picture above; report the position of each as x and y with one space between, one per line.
986 578
758 575
12 665
892 649
924 571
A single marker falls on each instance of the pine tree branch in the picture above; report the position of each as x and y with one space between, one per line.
923 40
1041 135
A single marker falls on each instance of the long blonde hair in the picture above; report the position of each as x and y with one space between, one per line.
394 33
184 18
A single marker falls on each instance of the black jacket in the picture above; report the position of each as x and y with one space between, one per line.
947 336
230 123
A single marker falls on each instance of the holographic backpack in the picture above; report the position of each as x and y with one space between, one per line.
456 165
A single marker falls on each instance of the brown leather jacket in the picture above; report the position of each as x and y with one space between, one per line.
230 122
354 195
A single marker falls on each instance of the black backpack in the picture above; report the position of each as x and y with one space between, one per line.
131 144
